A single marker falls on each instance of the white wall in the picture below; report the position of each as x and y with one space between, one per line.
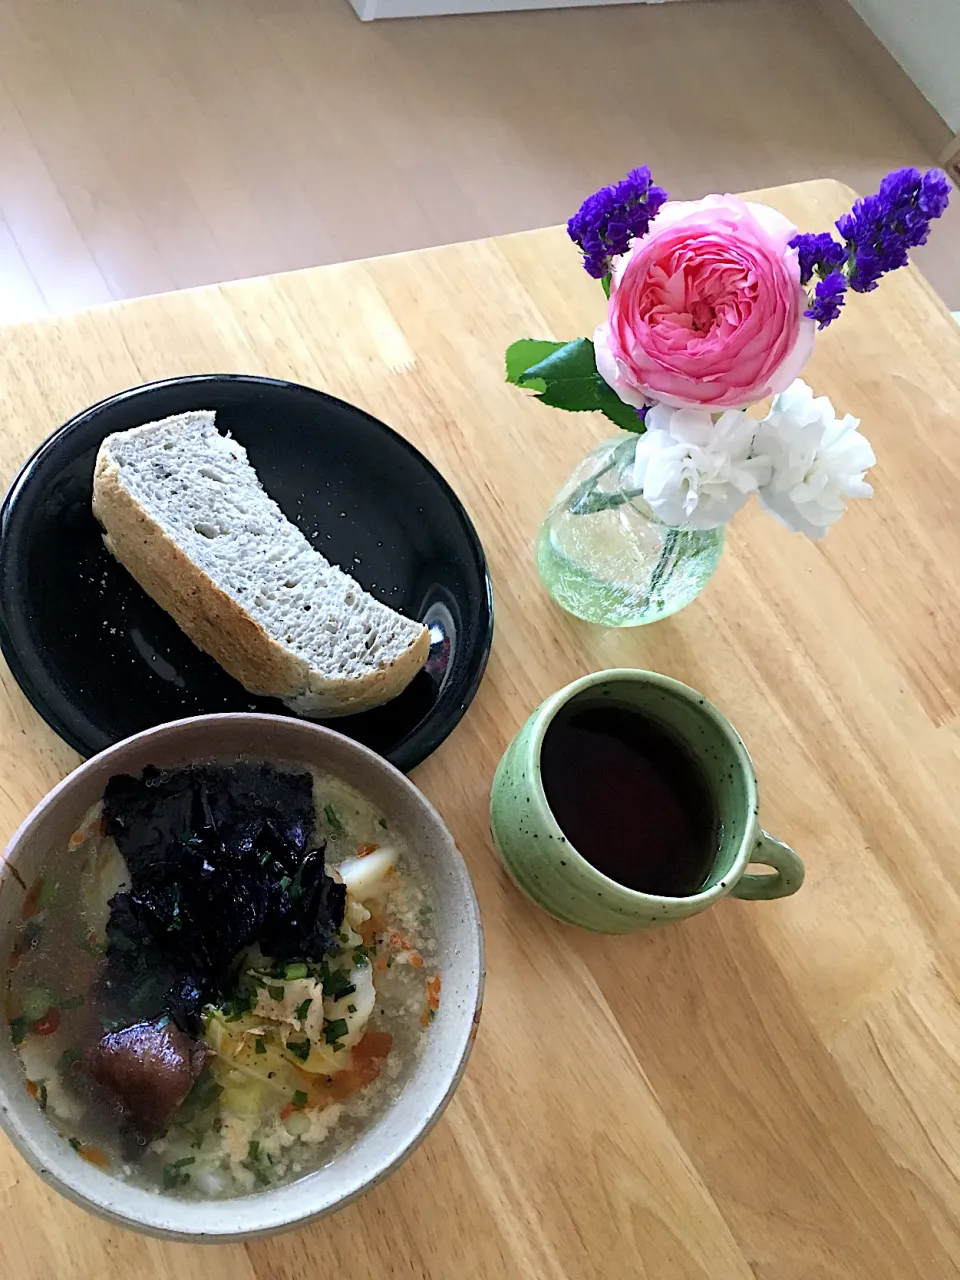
924 37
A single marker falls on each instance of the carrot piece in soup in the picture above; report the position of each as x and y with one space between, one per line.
433 1001
95 1156
48 1024
29 906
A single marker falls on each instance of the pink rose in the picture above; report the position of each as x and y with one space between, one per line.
706 309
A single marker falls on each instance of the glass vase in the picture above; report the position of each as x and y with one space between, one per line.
605 557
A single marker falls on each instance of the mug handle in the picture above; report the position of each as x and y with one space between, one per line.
789 869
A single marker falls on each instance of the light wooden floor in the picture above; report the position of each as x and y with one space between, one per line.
148 145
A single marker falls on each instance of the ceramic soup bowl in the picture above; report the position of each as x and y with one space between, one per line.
427 1083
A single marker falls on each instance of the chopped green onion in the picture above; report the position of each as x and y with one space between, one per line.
48 891
18 1029
298 970
260 1046
241 1000
285 882
42 1096
300 1049
299 1098
337 985
383 823
254 1159
332 819
36 1002
203 1095
303 1008
351 1008
173 1175
75 1143
275 993
335 1030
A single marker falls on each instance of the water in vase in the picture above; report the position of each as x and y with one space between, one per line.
603 556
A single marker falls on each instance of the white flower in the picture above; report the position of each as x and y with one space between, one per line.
694 471
816 460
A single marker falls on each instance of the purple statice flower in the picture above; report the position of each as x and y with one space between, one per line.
878 234
881 229
818 252
827 299
608 221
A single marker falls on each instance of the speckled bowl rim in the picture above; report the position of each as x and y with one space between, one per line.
14 1104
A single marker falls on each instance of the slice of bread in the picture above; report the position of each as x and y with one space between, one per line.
186 514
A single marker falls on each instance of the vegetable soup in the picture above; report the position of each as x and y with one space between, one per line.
225 975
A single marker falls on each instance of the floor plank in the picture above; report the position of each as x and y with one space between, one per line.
156 144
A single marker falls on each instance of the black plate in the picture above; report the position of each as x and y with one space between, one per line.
99 660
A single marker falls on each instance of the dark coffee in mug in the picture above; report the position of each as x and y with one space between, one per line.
630 798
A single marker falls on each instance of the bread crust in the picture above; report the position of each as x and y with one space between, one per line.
216 623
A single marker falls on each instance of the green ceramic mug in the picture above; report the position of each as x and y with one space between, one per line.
545 865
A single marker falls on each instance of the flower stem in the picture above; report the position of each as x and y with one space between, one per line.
591 503
584 501
671 538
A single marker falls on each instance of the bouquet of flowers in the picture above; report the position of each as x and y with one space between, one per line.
712 306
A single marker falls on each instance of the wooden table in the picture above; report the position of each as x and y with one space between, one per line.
768 1090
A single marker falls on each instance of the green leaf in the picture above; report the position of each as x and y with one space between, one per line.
624 415
526 352
563 362
570 381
